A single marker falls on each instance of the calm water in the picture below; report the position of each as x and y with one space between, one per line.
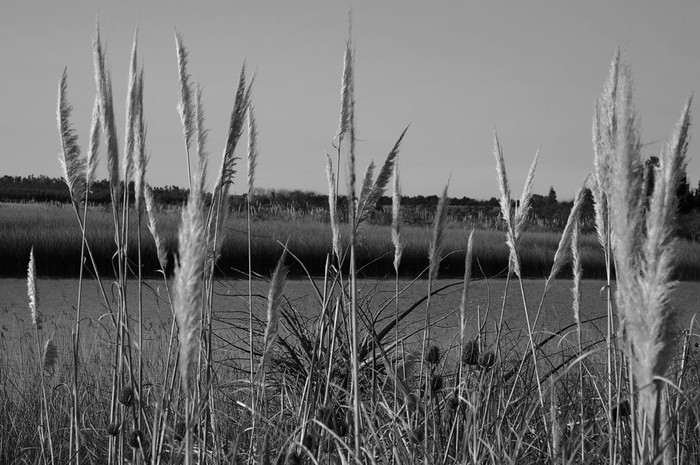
58 302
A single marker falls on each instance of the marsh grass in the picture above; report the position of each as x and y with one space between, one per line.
346 384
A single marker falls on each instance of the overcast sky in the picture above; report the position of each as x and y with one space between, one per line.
454 70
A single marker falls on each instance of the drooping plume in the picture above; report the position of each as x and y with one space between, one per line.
73 165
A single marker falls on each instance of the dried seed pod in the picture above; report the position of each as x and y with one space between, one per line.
113 428
126 396
180 431
433 355
136 439
487 360
453 401
470 355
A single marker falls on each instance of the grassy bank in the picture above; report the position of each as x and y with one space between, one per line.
53 233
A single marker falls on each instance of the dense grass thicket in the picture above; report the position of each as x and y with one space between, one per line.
340 386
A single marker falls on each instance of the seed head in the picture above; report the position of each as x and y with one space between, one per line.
136 440
487 360
113 428
470 355
433 356
126 396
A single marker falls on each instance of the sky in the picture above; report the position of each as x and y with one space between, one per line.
455 71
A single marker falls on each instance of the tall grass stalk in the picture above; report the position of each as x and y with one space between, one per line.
347 132
74 169
604 141
251 164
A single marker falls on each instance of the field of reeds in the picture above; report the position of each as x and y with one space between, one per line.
51 230
341 387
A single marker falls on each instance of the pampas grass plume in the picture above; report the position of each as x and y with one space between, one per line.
72 164
202 134
333 206
132 111
252 151
437 244
184 102
188 282
151 210
465 288
567 235
50 356
274 302
523 208
93 144
396 219
31 291
103 82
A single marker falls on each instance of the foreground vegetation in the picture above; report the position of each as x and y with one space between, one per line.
344 387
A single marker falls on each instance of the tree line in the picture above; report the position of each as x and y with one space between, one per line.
547 210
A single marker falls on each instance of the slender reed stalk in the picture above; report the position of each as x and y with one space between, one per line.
251 164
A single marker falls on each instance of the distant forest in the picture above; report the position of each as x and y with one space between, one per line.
547 213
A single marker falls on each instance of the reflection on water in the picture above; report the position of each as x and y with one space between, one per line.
58 303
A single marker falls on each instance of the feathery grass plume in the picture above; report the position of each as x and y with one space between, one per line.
506 211
333 206
31 291
364 191
652 330
103 82
346 92
187 301
347 122
72 163
523 207
396 219
131 114
235 129
369 197
151 210
50 356
184 102
465 289
93 144
577 271
644 253
252 151
604 142
567 235
139 153
201 133
274 301
437 244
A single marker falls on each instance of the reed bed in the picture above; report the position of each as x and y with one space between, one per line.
348 385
